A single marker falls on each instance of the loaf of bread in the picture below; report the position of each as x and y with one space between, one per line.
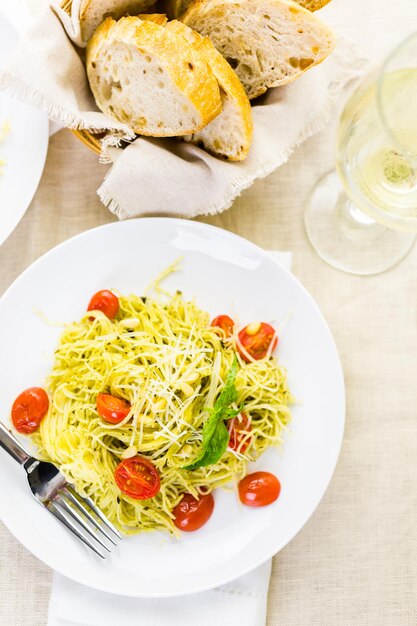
151 78
229 135
178 7
93 12
156 18
267 42
193 78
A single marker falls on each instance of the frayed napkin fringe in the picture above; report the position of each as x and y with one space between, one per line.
108 201
56 112
113 140
33 96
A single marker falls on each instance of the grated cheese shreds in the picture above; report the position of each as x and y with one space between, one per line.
172 355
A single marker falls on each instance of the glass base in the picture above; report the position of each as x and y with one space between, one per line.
348 239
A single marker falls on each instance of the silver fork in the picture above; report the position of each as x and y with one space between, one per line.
80 515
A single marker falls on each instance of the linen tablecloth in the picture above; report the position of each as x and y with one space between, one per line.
355 562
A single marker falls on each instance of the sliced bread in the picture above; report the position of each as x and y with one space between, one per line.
178 7
93 12
157 18
313 5
229 135
267 42
150 78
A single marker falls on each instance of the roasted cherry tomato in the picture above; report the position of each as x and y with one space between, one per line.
238 428
191 514
255 340
259 489
138 478
225 323
112 409
105 301
29 409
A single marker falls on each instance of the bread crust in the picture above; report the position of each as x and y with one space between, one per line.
185 65
231 85
313 5
228 81
178 7
117 8
218 9
156 18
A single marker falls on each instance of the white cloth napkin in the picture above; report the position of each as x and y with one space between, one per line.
167 176
242 602
19 15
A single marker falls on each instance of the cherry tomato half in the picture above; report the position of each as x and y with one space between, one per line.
255 339
138 478
105 301
259 489
29 409
225 323
238 428
191 514
111 409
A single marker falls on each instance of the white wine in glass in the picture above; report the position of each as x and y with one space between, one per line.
363 219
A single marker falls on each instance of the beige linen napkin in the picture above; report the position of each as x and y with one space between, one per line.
168 176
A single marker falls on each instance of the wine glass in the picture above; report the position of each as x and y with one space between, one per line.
362 217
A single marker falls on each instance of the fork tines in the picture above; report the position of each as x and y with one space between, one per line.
83 517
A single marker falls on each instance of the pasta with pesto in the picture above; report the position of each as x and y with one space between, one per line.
167 362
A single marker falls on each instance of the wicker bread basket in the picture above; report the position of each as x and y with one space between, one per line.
87 138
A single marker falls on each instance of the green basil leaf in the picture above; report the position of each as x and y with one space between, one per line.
215 433
230 413
216 448
229 393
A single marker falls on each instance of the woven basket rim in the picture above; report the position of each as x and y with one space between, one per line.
88 139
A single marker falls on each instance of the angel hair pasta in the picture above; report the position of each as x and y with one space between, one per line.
173 389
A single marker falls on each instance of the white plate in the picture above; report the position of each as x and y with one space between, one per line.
24 149
226 274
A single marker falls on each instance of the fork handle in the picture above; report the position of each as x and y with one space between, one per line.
12 446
